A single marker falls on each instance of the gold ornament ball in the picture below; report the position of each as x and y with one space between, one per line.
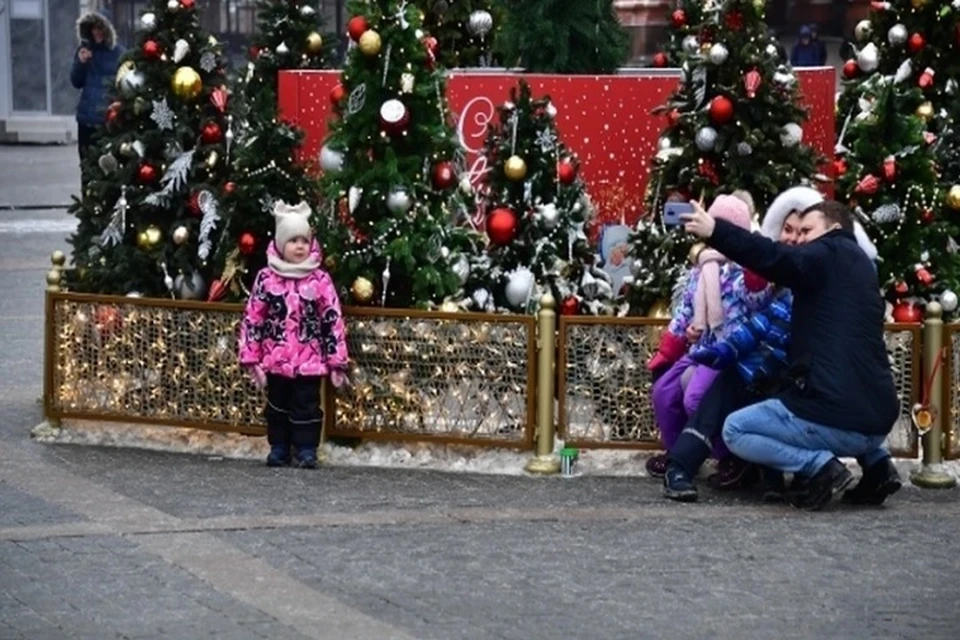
314 43
919 4
370 43
759 5
186 83
362 290
953 197
180 235
925 110
126 149
149 237
515 168
330 263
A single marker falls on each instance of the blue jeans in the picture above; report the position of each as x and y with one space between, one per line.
767 433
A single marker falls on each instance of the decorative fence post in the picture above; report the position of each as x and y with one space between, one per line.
932 474
51 424
545 462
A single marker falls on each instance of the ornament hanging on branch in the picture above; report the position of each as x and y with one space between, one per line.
443 175
208 223
751 82
660 60
869 58
887 213
890 168
370 43
868 185
926 79
362 290
678 18
721 110
394 117
566 172
515 168
718 54
502 226
247 243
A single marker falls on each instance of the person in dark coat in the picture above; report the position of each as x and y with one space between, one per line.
819 44
839 398
805 52
94 69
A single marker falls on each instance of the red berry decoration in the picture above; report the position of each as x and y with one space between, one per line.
337 95
915 44
907 312
678 18
146 174
926 78
247 243
566 172
211 133
851 69
151 50
502 226
569 306
721 110
443 175
357 27
229 188
660 59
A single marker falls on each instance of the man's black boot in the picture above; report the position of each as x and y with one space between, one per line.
830 480
878 482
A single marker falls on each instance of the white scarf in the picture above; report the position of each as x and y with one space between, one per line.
296 271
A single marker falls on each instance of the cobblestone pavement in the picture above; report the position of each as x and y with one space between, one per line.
107 543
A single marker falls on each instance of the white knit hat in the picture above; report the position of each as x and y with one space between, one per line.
292 221
799 199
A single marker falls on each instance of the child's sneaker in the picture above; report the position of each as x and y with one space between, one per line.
279 456
307 458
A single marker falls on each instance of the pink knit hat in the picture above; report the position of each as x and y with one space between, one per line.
731 209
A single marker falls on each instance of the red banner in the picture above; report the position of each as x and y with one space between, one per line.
605 120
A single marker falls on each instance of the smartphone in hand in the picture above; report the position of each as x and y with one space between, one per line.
672 212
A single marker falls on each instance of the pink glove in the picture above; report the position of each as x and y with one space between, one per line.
257 376
339 379
753 282
671 349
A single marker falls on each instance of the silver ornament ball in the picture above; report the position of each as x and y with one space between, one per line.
480 23
519 287
180 235
897 34
664 143
131 83
148 21
399 201
691 45
791 134
306 10
461 269
869 58
718 53
948 300
331 160
173 5
706 138
190 287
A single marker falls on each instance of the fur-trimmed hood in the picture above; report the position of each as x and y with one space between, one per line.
88 21
799 199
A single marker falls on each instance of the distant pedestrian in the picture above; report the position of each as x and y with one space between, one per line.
819 44
805 52
94 69
291 336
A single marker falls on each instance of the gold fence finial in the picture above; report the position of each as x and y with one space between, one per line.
545 462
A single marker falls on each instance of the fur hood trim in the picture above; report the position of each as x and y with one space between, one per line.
88 21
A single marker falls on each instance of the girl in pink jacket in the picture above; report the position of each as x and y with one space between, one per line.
291 336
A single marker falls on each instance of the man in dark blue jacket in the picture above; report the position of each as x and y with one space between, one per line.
840 398
94 69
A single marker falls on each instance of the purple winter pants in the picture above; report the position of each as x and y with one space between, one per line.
672 406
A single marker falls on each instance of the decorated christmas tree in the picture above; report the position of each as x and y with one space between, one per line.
536 209
684 24
889 175
391 164
266 163
149 216
733 124
562 36
915 41
464 30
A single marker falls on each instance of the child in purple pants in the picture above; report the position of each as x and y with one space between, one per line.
718 294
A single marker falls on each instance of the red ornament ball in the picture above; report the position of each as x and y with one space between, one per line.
431 44
357 27
253 52
247 243
570 306
839 167
337 95
187 4
851 69
502 226
151 50
193 204
678 18
927 216
229 188
907 312
211 133
566 172
721 110
916 43
443 175
146 174
660 59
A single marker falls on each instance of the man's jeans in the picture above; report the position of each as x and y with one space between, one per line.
769 434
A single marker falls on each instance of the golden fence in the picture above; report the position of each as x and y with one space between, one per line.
951 390
604 387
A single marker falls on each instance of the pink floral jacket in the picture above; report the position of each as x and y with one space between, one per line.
293 327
